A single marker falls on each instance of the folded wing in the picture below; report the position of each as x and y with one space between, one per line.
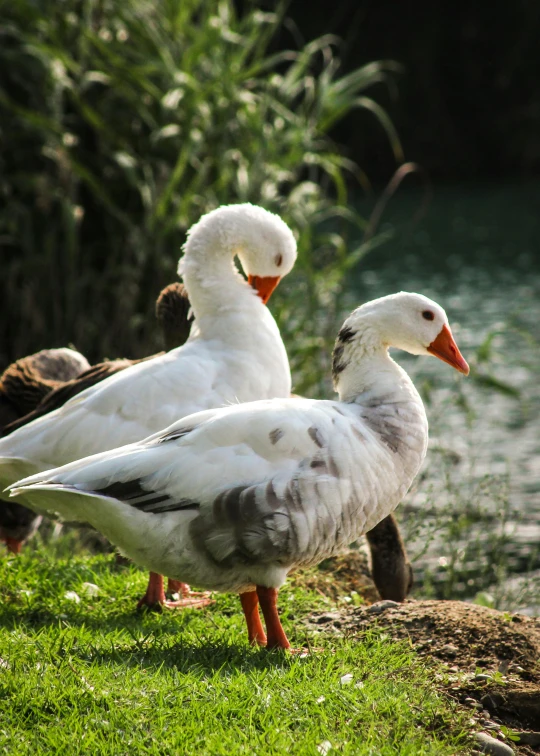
255 482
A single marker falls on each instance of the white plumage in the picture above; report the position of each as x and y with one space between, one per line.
234 498
234 353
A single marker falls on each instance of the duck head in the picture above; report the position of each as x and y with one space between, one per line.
408 321
267 251
264 244
173 315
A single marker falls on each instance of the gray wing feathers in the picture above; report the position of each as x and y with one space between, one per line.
278 520
134 493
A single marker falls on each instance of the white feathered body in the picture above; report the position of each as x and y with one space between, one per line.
231 498
235 352
243 360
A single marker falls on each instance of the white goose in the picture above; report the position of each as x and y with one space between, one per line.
234 353
233 499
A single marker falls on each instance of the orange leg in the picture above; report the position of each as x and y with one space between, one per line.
276 634
250 605
13 545
154 598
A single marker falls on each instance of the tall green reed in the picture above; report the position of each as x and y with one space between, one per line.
122 122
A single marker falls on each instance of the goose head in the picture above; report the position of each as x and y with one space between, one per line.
270 252
173 315
411 322
261 240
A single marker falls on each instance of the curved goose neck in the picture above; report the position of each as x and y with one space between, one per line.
210 276
384 396
362 367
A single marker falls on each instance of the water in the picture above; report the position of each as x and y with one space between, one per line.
473 518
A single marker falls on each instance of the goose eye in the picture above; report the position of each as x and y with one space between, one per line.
279 259
428 315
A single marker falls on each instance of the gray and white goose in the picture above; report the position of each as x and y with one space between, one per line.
233 499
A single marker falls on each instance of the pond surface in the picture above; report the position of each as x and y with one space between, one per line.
473 519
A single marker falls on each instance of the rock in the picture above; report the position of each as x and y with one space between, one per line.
482 678
324 747
529 738
449 649
492 745
523 699
492 700
382 606
322 619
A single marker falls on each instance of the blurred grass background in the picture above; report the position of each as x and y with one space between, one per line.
123 122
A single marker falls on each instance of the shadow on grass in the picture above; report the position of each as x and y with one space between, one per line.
125 617
207 657
154 641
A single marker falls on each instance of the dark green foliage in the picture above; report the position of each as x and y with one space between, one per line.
469 102
124 121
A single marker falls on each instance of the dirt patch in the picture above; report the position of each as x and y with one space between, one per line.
340 576
492 658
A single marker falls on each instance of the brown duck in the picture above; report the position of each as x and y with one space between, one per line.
38 384
27 381
23 385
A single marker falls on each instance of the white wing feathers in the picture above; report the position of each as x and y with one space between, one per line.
123 407
265 478
205 453
287 480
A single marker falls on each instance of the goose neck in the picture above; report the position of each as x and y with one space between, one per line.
361 366
375 375
212 280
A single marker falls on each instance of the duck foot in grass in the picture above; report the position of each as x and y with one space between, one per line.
176 588
186 597
189 603
154 599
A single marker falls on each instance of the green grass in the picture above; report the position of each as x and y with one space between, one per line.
95 677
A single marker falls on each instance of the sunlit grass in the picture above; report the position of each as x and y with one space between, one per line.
92 676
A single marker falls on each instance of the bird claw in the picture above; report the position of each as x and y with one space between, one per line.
194 601
191 600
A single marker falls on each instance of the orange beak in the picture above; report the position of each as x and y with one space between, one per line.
445 348
264 285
